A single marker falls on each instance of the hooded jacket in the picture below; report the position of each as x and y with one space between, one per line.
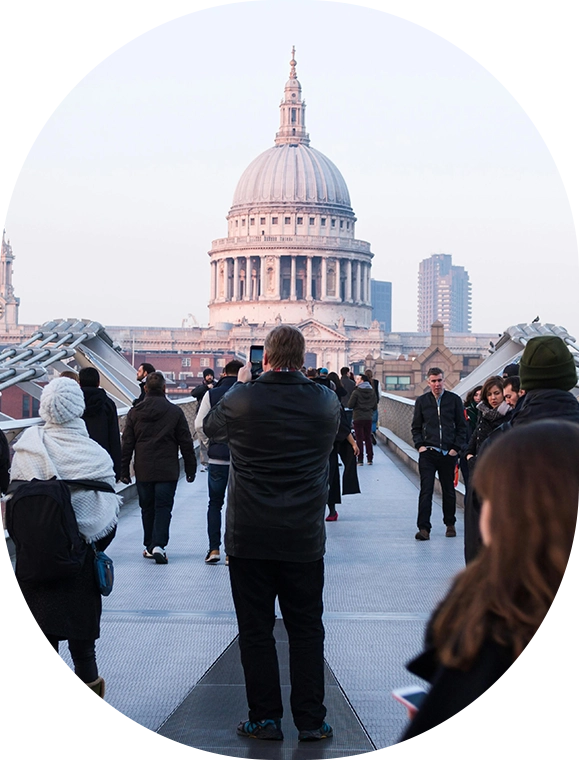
102 423
280 429
155 430
363 401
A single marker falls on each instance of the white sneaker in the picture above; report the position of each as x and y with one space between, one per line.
159 555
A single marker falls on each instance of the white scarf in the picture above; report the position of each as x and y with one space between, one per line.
67 452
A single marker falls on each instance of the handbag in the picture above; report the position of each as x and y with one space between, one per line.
104 571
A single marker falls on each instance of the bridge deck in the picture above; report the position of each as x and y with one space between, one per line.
166 625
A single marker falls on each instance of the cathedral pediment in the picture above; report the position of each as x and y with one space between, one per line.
314 330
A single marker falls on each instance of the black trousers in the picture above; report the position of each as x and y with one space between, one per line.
429 463
156 502
83 656
255 584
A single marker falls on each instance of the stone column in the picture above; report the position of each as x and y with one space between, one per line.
293 279
338 279
358 282
277 278
235 279
369 284
349 281
308 278
262 275
213 290
324 293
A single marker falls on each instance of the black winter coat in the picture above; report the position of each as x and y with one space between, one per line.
71 608
485 425
491 704
102 423
426 423
220 450
363 401
155 430
342 447
280 429
4 463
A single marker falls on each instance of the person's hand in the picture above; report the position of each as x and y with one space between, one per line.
453 453
355 449
422 449
190 478
469 457
244 374
125 480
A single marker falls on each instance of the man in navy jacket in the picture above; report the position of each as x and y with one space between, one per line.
439 433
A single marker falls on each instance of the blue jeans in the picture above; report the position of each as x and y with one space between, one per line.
218 475
156 502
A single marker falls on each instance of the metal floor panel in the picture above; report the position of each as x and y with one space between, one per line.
207 718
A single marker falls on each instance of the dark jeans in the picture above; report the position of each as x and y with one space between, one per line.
298 585
156 502
429 463
83 656
363 430
217 483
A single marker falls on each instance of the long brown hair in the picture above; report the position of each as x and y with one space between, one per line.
531 479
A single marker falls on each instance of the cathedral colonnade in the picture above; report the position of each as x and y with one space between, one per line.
290 277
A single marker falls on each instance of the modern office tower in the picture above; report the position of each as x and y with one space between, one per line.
444 293
381 297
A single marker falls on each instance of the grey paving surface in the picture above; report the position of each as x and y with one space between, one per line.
168 625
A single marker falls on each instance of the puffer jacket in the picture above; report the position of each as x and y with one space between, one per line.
363 401
445 431
155 430
280 429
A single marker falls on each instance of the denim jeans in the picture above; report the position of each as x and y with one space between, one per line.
156 502
218 475
255 583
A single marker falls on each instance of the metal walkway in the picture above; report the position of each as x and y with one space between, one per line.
165 626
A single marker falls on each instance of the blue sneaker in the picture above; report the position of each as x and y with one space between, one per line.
261 729
323 732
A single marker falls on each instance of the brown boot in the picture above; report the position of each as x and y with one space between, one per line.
98 686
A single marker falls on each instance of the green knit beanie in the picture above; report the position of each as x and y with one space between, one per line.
547 363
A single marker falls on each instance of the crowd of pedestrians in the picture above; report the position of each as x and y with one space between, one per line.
274 446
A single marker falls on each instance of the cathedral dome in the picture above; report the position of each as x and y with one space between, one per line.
291 173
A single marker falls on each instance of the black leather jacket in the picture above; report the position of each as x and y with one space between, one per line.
427 425
280 429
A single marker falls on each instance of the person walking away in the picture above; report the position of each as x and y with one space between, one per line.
439 433
363 402
70 609
548 372
143 371
346 447
376 385
280 429
348 384
218 461
198 393
100 416
528 481
155 431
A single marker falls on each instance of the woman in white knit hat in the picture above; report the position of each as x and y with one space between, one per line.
70 609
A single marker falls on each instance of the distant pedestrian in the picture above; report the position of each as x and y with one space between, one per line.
143 370
439 433
348 383
363 403
100 416
339 388
376 385
218 458
198 393
71 374
155 431
280 429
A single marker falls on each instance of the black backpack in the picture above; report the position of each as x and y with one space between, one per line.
41 522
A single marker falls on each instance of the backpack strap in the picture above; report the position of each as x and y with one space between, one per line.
89 485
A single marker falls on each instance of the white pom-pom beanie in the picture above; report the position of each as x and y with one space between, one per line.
62 400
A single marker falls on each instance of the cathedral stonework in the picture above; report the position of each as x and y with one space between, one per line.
291 247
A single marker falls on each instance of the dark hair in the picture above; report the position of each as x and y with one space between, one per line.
89 377
233 367
155 384
336 380
514 381
369 374
510 370
507 590
147 367
285 347
471 394
311 372
489 384
208 371
435 371
345 371
365 378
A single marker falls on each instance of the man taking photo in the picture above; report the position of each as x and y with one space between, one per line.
280 429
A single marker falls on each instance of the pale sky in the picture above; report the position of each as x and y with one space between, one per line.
132 176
